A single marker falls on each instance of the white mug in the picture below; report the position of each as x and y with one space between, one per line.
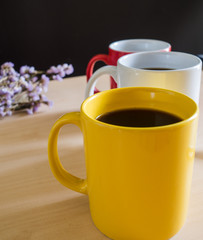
175 71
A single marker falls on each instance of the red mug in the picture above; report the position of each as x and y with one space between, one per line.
120 48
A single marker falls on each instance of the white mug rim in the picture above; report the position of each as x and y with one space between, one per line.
165 45
197 61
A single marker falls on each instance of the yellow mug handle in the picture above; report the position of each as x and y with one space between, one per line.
65 178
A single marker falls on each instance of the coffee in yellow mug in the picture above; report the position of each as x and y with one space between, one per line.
138 176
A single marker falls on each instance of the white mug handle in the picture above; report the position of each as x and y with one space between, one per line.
111 70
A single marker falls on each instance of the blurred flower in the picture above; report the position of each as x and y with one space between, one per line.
60 71
45 82
7 65
23 90
27 70
57 77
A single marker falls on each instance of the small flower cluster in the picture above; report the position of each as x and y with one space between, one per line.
24 90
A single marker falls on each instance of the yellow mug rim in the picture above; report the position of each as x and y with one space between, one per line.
178 124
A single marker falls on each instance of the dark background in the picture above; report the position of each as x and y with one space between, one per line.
46 32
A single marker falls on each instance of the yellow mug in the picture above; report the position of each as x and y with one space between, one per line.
138 179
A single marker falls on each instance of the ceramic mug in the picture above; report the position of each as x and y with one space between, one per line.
138 178
123 47
170 70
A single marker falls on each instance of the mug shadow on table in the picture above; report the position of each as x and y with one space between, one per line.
199 155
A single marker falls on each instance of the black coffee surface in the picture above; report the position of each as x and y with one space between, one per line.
159 69
139 118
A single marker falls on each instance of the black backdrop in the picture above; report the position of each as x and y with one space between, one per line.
48 32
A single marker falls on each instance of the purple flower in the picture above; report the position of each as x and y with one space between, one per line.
62 73
3 101
1 109
69 70
23 90
12 72
52 70
61 70
13 78
34 96
44 98
3 91
30 87
26 76
65 65
50 103
23 70
2 114
7 65
34 79
17 89
12 85
45 80
9 102
9 112
27 70
23 82
38 89
58 78
36 107
31 70
29 111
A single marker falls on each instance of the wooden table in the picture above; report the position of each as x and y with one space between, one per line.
33 204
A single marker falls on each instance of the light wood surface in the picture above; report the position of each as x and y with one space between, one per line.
33 204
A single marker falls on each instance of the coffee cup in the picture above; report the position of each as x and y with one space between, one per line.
175 71
123 47
138 178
